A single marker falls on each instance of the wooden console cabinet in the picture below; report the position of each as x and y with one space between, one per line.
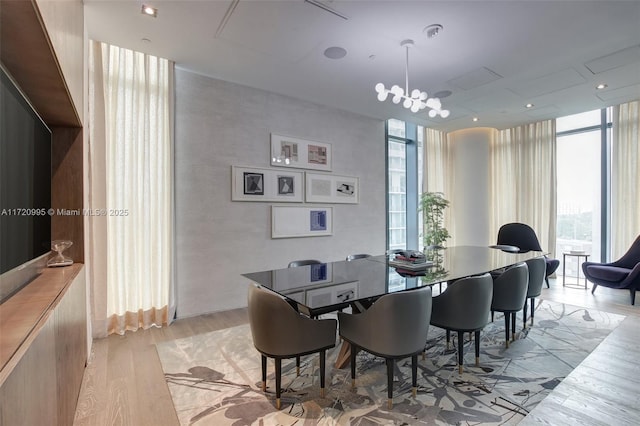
43 349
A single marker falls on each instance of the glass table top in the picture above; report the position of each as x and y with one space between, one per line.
332 285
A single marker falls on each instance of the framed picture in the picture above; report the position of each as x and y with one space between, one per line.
291 222
255 184
324 188
287 151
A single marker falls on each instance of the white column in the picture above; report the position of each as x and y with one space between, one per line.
471 186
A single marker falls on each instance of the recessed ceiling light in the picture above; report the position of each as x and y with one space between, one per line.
601 86
529 105
475 119
432 31
335 52
149 11
145 40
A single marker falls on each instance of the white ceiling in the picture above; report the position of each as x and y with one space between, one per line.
494 56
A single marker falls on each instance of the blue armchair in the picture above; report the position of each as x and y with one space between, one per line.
624 273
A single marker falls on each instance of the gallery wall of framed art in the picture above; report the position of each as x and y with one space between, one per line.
282 185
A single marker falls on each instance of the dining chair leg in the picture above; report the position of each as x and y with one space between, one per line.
594 288
322 368
460 348
297 366
513 326
533 308
448 333
477 336
414 374
389 383
264 373
491 316
546 280
278 381
354 349
506 327
524 313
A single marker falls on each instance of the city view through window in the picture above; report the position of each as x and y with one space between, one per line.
579 190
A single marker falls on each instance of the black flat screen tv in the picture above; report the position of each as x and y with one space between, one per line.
25 179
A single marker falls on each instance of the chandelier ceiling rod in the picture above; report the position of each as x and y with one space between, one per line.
407 44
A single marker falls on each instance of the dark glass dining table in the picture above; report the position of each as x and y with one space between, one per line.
327 287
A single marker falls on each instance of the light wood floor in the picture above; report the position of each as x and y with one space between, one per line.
124 383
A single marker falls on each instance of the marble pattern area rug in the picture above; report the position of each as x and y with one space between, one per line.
214 378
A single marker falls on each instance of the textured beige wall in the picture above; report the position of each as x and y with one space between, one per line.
220 124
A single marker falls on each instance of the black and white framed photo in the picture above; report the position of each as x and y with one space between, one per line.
257 184
286 185
326 188
253 183
294 221
287 151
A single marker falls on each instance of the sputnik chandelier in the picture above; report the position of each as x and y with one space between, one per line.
415 100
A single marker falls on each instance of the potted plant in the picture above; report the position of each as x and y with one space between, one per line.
432 205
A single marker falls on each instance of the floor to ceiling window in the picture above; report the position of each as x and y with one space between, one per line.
397 185
404 183
582 186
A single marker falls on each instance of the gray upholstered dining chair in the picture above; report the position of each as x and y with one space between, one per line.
509 295
280 332
537 269
394 327
464 307
357 256
303 262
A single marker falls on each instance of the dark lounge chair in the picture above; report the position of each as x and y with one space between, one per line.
524 237
624 273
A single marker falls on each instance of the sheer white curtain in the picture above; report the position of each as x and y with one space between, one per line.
523 180
438 175
130 169
625 177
